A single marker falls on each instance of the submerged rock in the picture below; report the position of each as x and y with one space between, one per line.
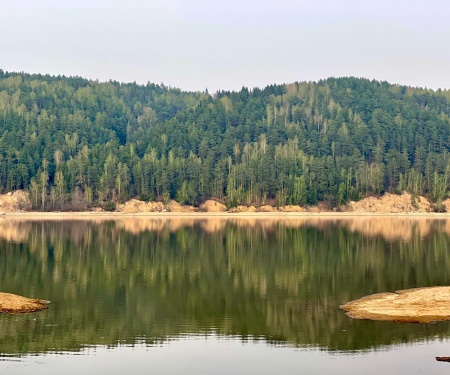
420 305
14 304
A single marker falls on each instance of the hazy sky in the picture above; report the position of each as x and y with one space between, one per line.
194 44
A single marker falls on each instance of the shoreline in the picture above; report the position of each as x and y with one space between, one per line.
36 215
17 205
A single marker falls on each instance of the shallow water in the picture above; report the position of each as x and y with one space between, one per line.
218 296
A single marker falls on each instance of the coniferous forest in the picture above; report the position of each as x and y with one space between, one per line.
75 143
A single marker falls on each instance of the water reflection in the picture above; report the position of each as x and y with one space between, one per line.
281 281
215 355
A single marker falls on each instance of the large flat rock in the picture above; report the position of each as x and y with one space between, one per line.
420 305
14 304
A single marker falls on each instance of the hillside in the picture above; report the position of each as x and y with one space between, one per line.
74 143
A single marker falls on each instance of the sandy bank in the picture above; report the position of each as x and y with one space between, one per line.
19 203
30 215
420 305
254 215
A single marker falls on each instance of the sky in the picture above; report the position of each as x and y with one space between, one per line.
225 45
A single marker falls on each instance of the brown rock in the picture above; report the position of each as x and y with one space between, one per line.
446 204
212 206
291 208
137 206
241 208
390 203
14 304
267 208
420 305
174 206
238 209
134 206
157 206
15 201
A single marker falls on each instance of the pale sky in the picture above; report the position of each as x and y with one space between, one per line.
198 44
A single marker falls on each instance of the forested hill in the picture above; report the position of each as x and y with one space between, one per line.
74 143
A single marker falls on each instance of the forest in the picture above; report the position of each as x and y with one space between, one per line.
75 143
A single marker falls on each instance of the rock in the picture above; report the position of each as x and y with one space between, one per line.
14 304
15 201
446 204
136 206
174 206
267 208
240 208
157 207
420 305
212 206
443 359
133 206
291 208
390 203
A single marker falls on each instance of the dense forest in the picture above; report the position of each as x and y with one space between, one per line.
75 143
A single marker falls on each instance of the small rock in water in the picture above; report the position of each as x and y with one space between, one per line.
14 304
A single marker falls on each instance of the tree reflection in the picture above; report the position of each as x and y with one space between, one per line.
124 281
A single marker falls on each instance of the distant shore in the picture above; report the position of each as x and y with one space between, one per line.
35 215
18 205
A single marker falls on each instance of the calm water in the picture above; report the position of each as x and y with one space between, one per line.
218 296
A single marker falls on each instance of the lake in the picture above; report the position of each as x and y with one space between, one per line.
221 296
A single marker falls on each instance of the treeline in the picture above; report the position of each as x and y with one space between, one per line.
75 143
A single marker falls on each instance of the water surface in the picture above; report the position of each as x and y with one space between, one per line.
218 296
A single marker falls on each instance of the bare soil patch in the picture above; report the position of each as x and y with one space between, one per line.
420 305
